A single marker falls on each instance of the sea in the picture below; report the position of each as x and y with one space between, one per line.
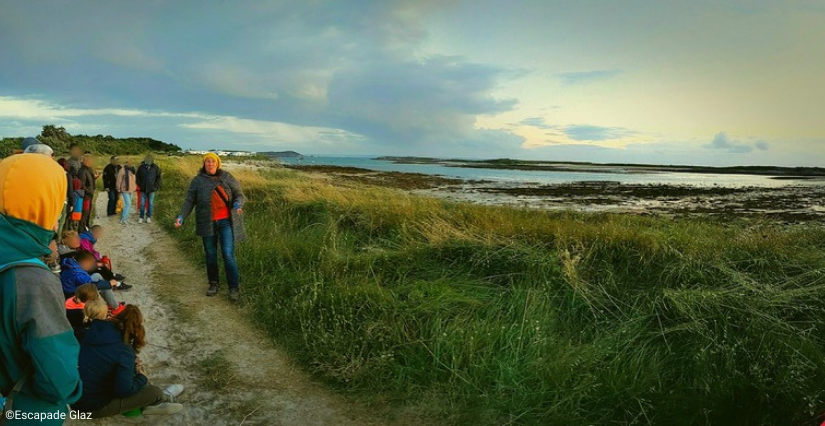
549 177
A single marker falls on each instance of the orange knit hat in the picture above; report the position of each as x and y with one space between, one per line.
32 188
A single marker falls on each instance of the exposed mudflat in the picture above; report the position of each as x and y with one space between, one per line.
796 203
802 200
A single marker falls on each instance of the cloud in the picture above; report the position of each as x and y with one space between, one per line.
272 132
432 100
35 109
586 77
537 122
583 132
25 116
723 142
364 71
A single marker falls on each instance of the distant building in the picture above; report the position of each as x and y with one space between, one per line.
222 153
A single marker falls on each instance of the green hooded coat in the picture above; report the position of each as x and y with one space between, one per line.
35 336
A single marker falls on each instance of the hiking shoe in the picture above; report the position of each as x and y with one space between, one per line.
234 295
163 409
119 277
140 220
213 289
123 286
148 220
172 392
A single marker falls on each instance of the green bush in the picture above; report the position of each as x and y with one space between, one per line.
59 140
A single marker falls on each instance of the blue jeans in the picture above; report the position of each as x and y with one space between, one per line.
221 232
111 206
127 204
142 204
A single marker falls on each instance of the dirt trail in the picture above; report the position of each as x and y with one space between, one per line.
232 372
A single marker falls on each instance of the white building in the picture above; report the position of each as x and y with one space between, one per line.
222 153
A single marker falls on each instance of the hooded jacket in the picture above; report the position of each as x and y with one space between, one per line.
72 276
107 367
199 197
87 242
148 177
35 336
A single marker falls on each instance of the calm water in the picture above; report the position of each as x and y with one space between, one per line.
546 177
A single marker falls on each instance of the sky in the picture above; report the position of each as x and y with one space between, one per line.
722 82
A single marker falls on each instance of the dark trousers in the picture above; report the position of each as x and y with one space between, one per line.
104 272
111 206
149 395
221 233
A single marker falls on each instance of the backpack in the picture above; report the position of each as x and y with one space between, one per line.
8 400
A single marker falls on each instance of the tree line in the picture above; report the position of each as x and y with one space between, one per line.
59 139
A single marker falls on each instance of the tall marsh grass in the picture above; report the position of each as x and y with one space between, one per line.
493 315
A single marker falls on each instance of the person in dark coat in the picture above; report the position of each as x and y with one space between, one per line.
110 184
149 181
87 179
218 200
114 381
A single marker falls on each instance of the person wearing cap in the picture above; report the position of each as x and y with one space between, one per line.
148 180
110 173
39 352
34 146
218 201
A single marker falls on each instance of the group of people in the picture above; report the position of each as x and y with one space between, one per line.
121 182
67 341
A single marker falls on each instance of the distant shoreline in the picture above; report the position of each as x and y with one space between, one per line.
570 166
795 204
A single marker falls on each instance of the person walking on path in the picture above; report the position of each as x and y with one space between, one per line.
149 182
38 372
126 184
218 200
87 179
114 381
110 184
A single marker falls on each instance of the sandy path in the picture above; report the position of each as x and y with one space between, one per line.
232 372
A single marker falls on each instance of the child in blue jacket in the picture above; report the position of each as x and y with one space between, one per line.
73 274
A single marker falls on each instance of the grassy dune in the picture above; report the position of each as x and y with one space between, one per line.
476 314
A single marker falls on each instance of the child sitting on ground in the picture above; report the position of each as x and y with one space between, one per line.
75 273
69 244
114 381
72 243
74 308
89 239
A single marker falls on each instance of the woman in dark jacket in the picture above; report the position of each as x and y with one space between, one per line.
218 200
114 381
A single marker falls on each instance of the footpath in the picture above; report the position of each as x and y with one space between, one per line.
232 372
